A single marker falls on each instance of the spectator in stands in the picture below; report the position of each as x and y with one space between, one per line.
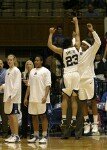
96 3
104 42
99 65
91 12
55 64
58 37
25 76
99 3
3 115
54 88
104 97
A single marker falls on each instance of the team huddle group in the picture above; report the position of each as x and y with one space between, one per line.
78 78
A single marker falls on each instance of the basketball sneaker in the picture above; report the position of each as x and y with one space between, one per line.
14 139
95 130
63 124
87 127
72 125
33 139
6 140
43 140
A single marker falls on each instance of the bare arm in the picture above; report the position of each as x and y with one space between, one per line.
26 96
77 33
90 27
46 94
97 41
50 45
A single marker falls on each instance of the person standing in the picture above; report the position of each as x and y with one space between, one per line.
3 115
39 89
25 76
12 97
87 85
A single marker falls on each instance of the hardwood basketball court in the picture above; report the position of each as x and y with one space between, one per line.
56 143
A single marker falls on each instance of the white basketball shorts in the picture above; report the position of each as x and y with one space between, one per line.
86 90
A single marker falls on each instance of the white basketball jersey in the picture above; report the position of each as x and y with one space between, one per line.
39 79
86 58
70 59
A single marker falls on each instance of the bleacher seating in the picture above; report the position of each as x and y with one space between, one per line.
21 12
59 12
7 12
45 12
39 8
31 12
32 4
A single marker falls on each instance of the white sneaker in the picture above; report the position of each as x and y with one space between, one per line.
43 140
94 128
87 128
34 139
14 139
66 91
6 140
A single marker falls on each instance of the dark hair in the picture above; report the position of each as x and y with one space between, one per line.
67 42
59 27
47 66
89 41
41 58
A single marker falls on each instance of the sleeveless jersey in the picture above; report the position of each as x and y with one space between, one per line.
70 60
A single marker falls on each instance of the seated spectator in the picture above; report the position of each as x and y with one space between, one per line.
91 12
58 37
99 65
104 41
55 64
103 99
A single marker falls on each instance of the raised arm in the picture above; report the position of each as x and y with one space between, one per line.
97 41
77 33
50 44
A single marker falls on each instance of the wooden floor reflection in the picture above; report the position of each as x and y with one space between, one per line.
56 143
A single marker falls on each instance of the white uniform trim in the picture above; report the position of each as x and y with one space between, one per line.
86 43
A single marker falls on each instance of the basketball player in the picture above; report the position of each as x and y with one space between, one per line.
86 71
12 97
39 88
71 75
